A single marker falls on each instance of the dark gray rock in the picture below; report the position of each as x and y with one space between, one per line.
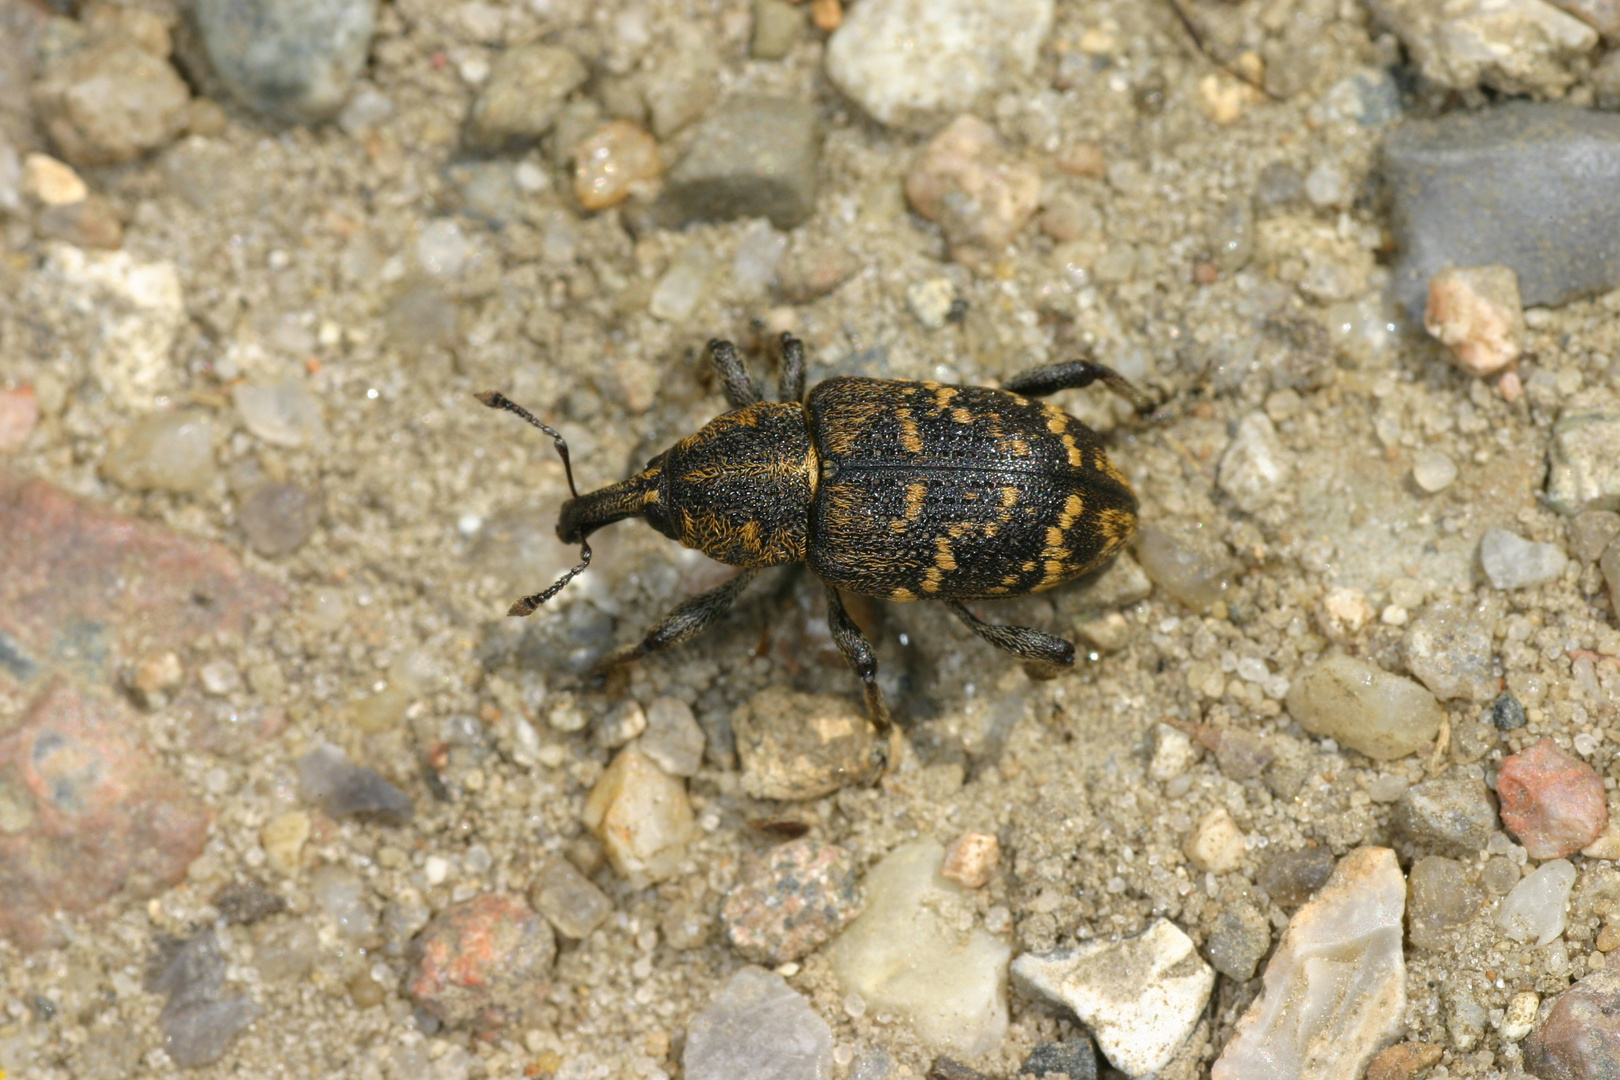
1532 186
1290 877
752 157
293 59
327 778
1238 941
1074 1058
1453 815
1506 713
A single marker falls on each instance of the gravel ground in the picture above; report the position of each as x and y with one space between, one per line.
391 272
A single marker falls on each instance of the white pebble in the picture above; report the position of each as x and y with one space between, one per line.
1512 562
1535 907
1433 471
436 868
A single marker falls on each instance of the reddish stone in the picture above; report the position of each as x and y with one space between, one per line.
805 895
484 964
1404 1061
19 412
84 814
1580 1039
1552 802
77 580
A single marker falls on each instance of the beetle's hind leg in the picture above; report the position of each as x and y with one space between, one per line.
1024 642
684 623
1073 374
791 384
739 388
860 657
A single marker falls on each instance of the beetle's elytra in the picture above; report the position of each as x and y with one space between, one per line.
893 489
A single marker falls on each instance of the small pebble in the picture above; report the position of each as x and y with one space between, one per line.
283 838
110 102
52 182
1405 1061
1082 159
642 816
1452 814
1536 908
1075 1058
1583 461
1475 312
778 27
800 746
1365 708
1255 466
527 85
568 898
1580 1038
1140 997
1512 562
1449 649
618 727
282 414
913 63
684 285
1590 532
1172 753
673 740
1512 46
930 301
1553 803
340 788
751 157
684 79
967 183
757 1026
1279 185
1191 565
342 896
1433 470
91 223
284 949
1216 844
1440 898
483 965
1520 1016
1506 713
246 902
753 268
806 893
168 451
971 860
293 59
1238 941
1291 877
612 162
1326 185
278 518
201 1018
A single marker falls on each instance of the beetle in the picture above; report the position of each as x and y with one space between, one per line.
899 490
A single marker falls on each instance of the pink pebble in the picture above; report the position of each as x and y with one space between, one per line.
19 412
1552 802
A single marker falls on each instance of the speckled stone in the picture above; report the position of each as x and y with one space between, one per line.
1074 1058
806 893
1553 803
484 965
1583 461
1291 877
1513 46
85 814
1453 815
567 897
1238 941
1448 648
1580 1038
202 1017
293 59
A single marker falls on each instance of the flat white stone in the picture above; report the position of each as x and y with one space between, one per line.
1335 989
909 954
1140 996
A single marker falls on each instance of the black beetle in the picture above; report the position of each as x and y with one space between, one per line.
892 489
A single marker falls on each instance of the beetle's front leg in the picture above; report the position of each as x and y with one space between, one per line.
863 661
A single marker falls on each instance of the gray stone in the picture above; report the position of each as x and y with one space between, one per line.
1532 186
1254 466
673 739
1453 815
751 157
340 788
915 63
1537 908
278 518
526 87
682 81
1439 899
1601 15
568 899
778 26
1506 713
110 103
758 1027
1591 532
169 451
292 59
1074 1058
1238 941
1515 46
1141 996
201 1018
1449 649
1583 462
1512 562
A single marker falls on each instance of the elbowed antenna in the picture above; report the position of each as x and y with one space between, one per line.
525 606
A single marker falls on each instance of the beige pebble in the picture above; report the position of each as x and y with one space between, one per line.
611 161
1216 844
283 840
971 859
1222 99
52 182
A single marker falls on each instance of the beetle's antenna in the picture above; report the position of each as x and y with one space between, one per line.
496 400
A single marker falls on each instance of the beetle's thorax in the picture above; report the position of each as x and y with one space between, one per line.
740 489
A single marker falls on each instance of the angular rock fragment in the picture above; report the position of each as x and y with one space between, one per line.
341 788
642 816
1553 803
484 964
1475 312
758 1026
751 157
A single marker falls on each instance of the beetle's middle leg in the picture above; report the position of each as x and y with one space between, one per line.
1024 642
1073 374
860 657
684 623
